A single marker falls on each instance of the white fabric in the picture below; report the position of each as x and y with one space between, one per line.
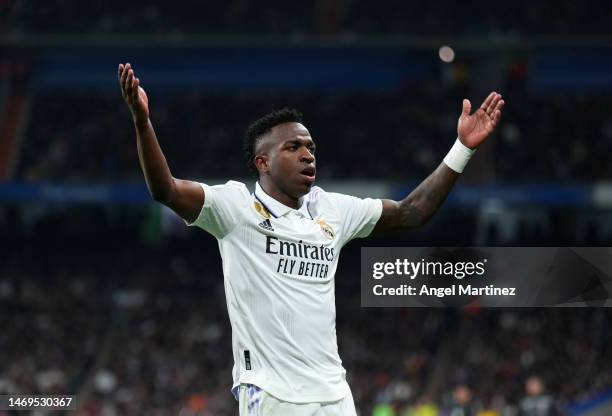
458 156
279 265
254 401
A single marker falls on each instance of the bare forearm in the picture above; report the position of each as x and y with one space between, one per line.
423 202
184 197
153 163
420 205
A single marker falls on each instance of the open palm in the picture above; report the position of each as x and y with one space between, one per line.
473 129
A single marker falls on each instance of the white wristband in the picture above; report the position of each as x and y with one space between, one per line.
458 156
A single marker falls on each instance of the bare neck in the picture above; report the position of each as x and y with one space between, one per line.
272 190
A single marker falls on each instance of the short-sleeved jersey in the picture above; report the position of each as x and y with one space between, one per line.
279 265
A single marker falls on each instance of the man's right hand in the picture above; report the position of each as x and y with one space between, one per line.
184 197
133 94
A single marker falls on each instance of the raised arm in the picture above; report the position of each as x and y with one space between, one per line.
184 197
420 205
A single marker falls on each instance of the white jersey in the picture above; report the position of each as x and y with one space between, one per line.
279 265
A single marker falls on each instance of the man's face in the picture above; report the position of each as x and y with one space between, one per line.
462 394
286 154
534 386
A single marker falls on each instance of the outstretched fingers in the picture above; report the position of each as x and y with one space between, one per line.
496 117
124 73
135 85
467 108
498 107
493 105
120 77
487 102
129 83
497 112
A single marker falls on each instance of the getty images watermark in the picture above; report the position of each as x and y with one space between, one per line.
486 276
435 269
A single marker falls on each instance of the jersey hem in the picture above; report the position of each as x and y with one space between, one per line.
336 395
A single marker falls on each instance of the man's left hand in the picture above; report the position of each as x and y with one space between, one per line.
473 129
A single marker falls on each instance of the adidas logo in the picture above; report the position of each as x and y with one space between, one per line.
266 225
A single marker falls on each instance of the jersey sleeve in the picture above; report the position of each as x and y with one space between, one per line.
223 208
359 216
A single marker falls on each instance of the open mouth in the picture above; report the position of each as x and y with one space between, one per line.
308 174
309 171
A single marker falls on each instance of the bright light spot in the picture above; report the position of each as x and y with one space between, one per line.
447 54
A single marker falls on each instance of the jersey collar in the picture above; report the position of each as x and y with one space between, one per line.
278 209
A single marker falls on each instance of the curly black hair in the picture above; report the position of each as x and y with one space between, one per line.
260 127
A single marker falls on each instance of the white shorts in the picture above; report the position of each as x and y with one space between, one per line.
253 401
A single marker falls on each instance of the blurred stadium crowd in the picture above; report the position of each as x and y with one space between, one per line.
323 17
115 304
141 327
82 137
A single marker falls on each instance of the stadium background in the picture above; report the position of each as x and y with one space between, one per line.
106 295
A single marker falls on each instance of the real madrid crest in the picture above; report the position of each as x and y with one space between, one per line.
327 230
261 210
